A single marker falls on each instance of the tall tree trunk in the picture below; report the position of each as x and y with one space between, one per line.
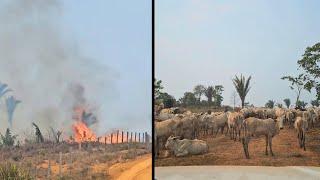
209 100
242 102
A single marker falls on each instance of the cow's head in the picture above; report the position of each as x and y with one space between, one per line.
170 142
279 122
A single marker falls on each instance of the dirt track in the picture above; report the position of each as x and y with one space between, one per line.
224 151
139 169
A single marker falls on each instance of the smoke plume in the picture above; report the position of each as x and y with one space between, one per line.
45 70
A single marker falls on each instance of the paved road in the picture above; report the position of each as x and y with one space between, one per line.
237 173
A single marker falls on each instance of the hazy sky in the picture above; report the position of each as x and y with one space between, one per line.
118 33
103 45
208 42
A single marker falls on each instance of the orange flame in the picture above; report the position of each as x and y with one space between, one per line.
82 132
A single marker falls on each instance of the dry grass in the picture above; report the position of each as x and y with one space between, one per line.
224 151
92 162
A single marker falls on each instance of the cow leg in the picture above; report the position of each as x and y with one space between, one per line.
267 145
183 153
247 147
270 145
244 147
245 141
216 133
304 141
239 133
227 131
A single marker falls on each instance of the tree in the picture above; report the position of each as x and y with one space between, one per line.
3 89
157 88
301 104
217 95
209 94
287 102
11 104
198 91
279 105
56 135
270 104
242 86
167 100
38 134
8 139
188 99
310 64
297 84
315 103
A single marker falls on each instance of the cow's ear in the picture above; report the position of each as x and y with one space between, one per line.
174 138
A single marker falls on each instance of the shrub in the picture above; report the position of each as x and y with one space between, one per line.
11 171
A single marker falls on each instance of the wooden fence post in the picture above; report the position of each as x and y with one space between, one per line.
131 137
117 136
105 140
60 165
121 136
135 136
139 137
127 136
143 138
49 169
111 137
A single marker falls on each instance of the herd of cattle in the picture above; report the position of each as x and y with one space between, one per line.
179 132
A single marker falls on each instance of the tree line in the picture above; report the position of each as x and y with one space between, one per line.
308 79
201 95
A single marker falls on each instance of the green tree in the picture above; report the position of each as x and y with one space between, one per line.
315 103
188 99
270 104
167 100
287 102
279 105
297 84
242 86
209 94
217 95
198 91
8 139
157 88
301 104
310 64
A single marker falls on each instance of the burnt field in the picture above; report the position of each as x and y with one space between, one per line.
224 151
68 161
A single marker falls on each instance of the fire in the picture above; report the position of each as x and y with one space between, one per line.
82 132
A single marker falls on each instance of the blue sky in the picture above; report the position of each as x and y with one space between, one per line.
208 42
118 34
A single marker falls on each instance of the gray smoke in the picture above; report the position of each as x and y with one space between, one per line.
45 70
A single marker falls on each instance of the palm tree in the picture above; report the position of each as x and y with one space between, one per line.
3 89
287 102
199 90
270 104
11 104
242 87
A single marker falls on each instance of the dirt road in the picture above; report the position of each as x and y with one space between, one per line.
139 169
223 151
